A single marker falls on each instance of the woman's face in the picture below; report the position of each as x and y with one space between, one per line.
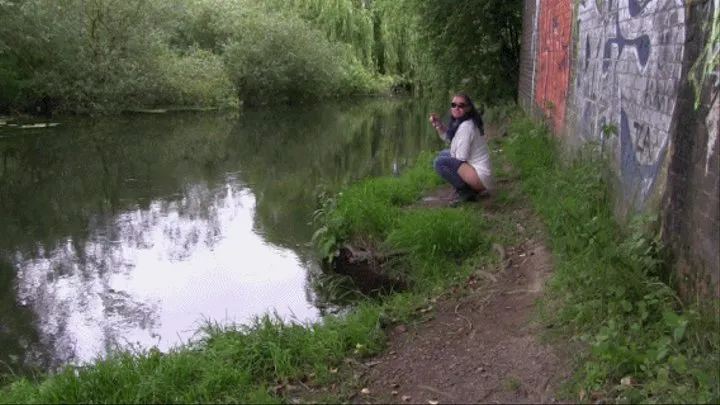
459 107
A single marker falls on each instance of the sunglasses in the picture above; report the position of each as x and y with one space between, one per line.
458 105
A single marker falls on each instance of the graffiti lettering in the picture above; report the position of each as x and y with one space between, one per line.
635 7
645 142
628 74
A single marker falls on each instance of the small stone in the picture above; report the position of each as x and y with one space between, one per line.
365 391
395 385
394 393
401 329
406 398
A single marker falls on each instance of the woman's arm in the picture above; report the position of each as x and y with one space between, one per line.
441 130
438 125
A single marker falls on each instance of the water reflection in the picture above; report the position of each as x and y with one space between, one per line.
133 229
169 268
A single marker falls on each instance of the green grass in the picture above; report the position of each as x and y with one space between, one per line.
610 290
230 364
371 208
512 384
436 240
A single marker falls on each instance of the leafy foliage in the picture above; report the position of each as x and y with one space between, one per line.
105 55
474 45
285 59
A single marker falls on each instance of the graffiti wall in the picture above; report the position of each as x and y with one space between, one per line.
642 79
627 75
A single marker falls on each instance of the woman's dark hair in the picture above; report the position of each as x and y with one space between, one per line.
472 114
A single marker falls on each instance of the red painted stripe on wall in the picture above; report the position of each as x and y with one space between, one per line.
553 59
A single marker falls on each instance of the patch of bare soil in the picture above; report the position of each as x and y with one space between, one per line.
481 346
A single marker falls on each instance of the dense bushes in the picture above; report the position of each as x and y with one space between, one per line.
108 56
105 55
282 59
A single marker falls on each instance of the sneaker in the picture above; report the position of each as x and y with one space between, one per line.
464 195
484 194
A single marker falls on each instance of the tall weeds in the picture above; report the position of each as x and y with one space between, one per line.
610 289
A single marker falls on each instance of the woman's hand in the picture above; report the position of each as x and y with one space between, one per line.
436 123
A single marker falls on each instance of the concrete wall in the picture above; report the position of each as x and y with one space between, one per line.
526 86
640 78
691 209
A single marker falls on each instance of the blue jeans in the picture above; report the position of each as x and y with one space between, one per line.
447 167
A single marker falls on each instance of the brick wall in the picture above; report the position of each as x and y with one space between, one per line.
616 73
552 71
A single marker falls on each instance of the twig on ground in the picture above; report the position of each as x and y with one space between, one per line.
470 324
487 394
437 391
304 386
486 275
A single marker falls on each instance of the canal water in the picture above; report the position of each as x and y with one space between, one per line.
137 229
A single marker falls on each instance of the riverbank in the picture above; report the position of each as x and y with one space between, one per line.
606 296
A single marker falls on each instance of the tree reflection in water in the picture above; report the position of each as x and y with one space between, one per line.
131 229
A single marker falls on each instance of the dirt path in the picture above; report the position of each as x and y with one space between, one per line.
481 345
